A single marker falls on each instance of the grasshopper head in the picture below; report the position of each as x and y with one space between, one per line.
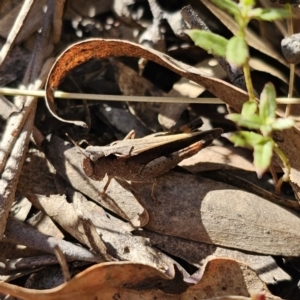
94 152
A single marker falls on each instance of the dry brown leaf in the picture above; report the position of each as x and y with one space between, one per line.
249 182
203 210
45 225
263 66
115 233
13 251
100 48
63 213
197 253
34 168
132 84
215 157
20 208
220 278
17 132
152 114
210 67
6 108
123 121
170 113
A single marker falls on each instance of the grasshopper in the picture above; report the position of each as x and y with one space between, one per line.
130 146
145 158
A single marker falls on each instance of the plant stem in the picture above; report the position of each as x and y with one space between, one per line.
286 169
292 66
246 69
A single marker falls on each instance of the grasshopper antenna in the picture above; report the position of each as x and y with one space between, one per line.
75 144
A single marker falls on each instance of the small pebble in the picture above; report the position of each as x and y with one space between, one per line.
290 48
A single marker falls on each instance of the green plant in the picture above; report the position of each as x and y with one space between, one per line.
259 116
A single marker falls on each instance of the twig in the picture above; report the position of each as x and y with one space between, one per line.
16 29
63 263
32 262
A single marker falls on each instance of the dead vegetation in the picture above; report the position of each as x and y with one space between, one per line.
206 229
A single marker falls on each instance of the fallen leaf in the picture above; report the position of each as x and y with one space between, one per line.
207 211
86 50
196 253
219 157
124 280
132 84
114 233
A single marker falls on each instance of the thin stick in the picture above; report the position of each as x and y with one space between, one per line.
16 29
63 263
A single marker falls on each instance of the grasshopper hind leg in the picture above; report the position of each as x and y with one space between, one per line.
163 164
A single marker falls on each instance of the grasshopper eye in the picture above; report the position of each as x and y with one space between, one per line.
87 167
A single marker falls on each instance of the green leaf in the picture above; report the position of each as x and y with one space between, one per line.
246 138
283 123
237 51
267 105
211 42
228 5
237 139
249 108
262 157
263 147
254 138
251 121
234 117
269 14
